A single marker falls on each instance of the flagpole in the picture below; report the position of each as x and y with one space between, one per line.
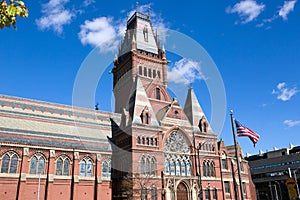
236 154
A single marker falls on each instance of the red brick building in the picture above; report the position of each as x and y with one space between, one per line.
151 148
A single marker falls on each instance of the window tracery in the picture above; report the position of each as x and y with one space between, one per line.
177 159
9 163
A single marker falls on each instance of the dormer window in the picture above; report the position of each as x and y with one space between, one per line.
145 116
203 125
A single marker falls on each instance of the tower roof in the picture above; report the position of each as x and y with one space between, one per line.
193 110
140 33
138 102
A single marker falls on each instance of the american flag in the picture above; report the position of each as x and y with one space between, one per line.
244 131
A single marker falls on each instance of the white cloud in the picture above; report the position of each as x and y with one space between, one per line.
88 2
291 123
185 71
248 10
283 92
105 32
102 32
55 16
287 7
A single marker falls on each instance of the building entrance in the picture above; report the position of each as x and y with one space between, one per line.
182 192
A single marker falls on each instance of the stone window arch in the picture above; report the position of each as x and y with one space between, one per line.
9 162
145 116
62 166
86 167
37 164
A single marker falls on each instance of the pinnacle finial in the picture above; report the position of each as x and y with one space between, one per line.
137 5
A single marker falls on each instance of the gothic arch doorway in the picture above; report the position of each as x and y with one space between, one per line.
182 192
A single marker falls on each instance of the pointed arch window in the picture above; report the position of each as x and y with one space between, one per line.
157 95
152 166
188 169
145 71
37 164
63 166
9 163
167 167
106 168
139 140
183 170
141 70
177 168
204 168
86 167
143 163
147 118
150 73
172 168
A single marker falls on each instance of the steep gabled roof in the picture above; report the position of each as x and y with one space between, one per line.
138 101
193 110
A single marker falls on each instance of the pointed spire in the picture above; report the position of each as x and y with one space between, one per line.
137 5
193 111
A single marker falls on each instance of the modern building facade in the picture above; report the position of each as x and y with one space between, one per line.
271 170
151 148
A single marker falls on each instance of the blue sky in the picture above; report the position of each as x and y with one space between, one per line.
254 44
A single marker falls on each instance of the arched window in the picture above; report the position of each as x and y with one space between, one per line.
147 118
143 140
156 142
152 166
176 150
63 166
177 168
158 74
147 141
172 168
145 71
9 163
188 168
151 141
167 167
204 169
37 164
154 73
183 170
143 163
106 168
86 167
140 70
150 73
157 95
147 166
139 140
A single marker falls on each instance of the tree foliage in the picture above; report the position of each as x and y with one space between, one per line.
10 11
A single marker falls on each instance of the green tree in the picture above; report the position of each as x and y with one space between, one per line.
10 11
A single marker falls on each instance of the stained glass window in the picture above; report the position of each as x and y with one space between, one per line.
177 160
86 167
183 168
9 163
177 168
106 168
176 143
167 167
63 166
37 164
